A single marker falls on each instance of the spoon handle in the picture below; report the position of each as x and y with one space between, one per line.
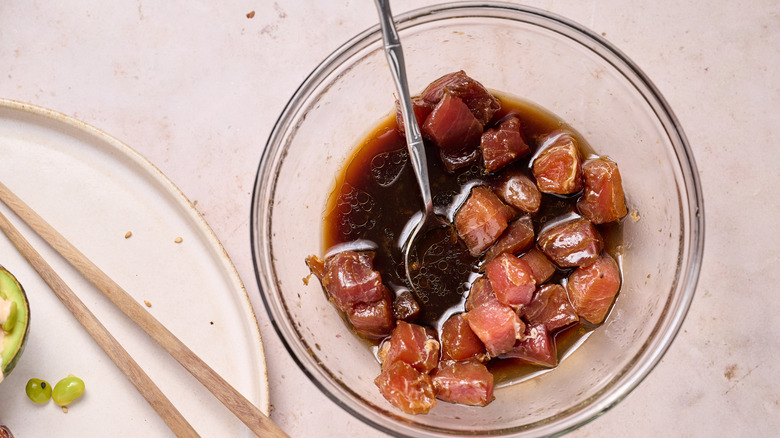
414 141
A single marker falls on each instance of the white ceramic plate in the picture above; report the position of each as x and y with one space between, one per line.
93 190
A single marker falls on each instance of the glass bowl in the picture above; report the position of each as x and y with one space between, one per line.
556 64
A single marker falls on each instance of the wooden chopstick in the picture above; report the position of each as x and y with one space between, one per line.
100 334
249 414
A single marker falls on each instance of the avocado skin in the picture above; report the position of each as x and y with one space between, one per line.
24 309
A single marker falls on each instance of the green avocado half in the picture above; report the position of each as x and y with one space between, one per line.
16 324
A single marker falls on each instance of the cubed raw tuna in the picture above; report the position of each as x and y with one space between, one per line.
317 267
350 279
405 306
602 198
519 191
482 219
478 99
496 325
458 341
592 288
503 145
518 237
413 344
511 279
481 292
451 126
536 347
457 159
374 320
550 306
421 110
541 267
557 168
571 243
406 388
468 383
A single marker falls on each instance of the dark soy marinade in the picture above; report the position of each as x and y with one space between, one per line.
377 194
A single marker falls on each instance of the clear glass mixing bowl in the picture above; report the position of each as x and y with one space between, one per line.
543 58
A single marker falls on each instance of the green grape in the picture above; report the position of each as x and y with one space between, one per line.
38 390
67 390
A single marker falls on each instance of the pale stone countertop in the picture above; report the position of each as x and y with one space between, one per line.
195 87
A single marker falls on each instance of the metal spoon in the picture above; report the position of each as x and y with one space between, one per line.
414 141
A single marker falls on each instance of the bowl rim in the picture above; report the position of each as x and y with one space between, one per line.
693 225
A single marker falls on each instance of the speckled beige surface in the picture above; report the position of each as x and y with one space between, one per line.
196 87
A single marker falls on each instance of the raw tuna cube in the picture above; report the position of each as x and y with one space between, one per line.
421 111
406 307
457 159
550 306
350 279
571 243
317 267
406 388
518 237
481 292
482 219
496 325
468 383
414 345
602 199
519 191
458 341
592 288
451 126
557 168
511 279
536 347
478 99
503 145
541 267
374 320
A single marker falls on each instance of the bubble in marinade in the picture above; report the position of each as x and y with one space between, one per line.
387 167
358 212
